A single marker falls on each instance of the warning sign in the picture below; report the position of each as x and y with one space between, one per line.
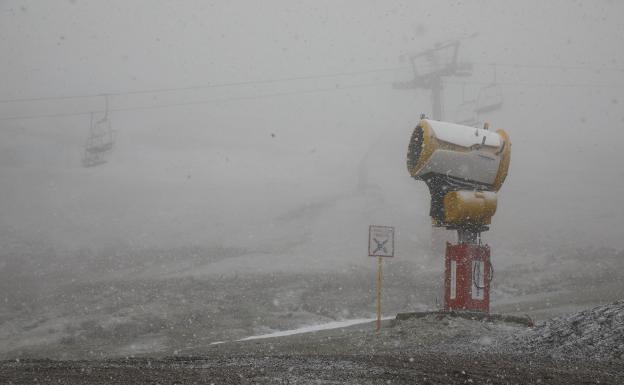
381 241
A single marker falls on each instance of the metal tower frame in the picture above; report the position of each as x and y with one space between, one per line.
430 67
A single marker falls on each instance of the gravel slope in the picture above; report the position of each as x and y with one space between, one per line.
596 333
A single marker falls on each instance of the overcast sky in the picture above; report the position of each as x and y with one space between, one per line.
308 148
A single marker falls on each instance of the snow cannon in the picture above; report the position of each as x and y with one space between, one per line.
463 167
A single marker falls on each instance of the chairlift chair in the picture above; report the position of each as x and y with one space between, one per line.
99 143
101 138
92 161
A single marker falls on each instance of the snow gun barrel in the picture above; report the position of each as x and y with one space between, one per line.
463 167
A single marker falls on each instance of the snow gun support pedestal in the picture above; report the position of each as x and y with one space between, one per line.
467 274
464 167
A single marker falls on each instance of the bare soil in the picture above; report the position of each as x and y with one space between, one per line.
419 368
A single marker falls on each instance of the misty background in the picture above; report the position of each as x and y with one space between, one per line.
211 173
268 136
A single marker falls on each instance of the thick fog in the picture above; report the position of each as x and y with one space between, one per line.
273 128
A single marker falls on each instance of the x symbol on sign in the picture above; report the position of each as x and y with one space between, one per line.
380 246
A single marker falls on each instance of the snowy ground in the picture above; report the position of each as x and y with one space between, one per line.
435 349
312 328
152 308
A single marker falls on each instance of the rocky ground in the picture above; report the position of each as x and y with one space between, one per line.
434 349
147 323
421 368
596 333
156 306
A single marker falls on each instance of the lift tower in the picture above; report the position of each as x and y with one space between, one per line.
430 67
464 167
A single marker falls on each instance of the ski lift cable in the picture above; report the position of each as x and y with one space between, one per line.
540 84
200 102
205 86
294 78
320 90
551 66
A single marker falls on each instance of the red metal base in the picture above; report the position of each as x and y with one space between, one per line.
467 277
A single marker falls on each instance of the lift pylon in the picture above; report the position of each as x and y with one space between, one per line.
430 67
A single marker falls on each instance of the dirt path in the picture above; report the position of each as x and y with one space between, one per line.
422 368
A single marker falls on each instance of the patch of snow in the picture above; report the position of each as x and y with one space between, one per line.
143 345
464 135
313 328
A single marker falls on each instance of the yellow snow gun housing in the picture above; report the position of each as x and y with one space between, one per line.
463 167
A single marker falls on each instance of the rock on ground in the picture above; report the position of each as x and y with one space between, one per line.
597 333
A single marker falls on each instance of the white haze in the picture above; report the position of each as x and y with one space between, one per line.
296 178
